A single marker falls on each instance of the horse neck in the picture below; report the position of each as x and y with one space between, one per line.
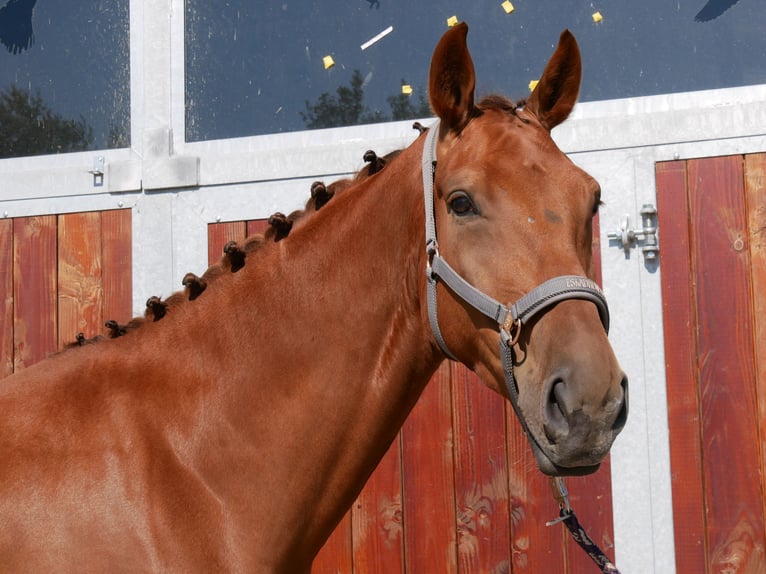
361 262
339 349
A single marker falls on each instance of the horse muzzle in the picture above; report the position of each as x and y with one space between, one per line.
575 439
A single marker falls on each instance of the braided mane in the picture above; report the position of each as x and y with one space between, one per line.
235 256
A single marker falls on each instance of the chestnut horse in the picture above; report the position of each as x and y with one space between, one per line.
234 434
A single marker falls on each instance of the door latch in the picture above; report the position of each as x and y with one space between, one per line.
98 171
645 238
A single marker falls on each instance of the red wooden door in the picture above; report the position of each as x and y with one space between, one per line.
459 490
712 225
61 275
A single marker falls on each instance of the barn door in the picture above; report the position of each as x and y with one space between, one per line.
61 275
712 222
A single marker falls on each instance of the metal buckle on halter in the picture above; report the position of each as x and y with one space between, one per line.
432 250
511 330
561 495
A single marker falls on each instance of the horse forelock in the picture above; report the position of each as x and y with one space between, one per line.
501 103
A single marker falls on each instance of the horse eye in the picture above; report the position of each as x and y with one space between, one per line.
461 205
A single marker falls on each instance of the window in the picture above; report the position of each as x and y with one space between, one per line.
64 76
257 67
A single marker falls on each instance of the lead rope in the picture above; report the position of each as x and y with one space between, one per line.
568 517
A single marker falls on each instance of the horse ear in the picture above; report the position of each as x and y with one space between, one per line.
452 79
556 93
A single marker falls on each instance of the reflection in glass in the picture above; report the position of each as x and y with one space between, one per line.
64 76
31 128
257 68
713 9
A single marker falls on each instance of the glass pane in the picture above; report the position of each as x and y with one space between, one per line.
64 76
267 67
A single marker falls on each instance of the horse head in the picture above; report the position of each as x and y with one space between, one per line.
513 213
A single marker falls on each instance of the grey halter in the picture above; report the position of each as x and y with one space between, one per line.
511 318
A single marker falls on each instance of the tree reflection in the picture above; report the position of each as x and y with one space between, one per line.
30 127
347 107
402 107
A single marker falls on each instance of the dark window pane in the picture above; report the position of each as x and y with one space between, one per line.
257 67
64 76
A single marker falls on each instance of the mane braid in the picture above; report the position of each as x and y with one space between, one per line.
235 255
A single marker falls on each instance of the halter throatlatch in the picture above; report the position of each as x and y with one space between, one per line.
510 318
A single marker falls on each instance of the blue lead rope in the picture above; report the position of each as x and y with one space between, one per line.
567 516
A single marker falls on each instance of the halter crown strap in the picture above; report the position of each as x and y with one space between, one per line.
429 169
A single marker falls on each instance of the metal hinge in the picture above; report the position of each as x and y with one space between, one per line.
645 238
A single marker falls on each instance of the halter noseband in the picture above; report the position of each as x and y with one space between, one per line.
510 318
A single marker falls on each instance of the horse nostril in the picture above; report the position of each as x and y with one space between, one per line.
622 416
556 425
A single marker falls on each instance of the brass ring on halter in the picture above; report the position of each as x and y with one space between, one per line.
513 329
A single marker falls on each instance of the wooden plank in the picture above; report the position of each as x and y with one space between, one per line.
481 474
679 325
428 481
117 268
6 297
591 499
34 289
377 529
257 226
80 293
335 555
218 234
725 352
535 547
755 195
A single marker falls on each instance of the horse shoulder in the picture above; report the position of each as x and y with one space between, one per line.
112 455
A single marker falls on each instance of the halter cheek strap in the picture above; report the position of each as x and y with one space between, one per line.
511 318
